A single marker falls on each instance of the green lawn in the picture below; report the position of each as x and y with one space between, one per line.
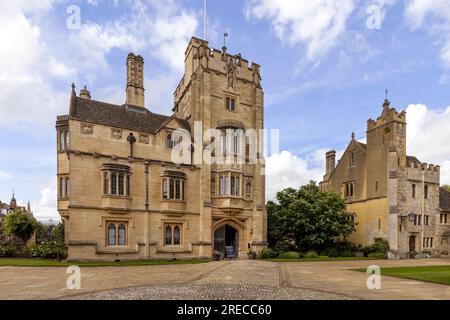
435 274
18 262
320 259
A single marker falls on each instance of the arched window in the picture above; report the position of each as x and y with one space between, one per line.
62 140
61 187
426 192
111 234
121 184
238 187
105 183
168 235
177 189
352 159
226 185
221 185
164 189
232 185
67 194
413 190
128 185
171 189
176 235
169 141
122 234
113 183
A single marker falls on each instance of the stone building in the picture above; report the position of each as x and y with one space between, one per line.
390 194
120 193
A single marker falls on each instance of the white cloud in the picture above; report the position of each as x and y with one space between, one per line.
160 29
27 67
434 16
316 24
4 176
45 207
285 170
428 134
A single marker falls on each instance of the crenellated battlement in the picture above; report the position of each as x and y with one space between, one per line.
199 54
423 166
388 115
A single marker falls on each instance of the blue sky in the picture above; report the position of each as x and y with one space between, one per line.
324 74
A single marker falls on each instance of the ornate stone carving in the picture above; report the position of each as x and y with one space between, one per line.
256 75
144 138
87 128
116 133
231 73
229 123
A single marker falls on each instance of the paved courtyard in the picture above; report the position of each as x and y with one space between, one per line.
242 279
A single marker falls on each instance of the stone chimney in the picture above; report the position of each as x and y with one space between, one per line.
330 157
135 81
85 94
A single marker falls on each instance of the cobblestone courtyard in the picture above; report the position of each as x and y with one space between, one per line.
242 279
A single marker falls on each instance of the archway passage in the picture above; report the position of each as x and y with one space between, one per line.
225 236
412 244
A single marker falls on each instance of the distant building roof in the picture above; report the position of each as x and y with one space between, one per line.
444 199
126 117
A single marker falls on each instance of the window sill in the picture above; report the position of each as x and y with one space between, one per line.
115 196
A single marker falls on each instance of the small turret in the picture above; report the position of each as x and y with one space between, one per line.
85 93
13 202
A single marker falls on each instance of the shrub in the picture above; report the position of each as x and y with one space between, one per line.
341 249
311 255
268 254
301 255
284 246
7 250
380 245
47 250
378 255
289 255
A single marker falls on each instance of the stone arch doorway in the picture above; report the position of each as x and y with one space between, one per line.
226 235
412 244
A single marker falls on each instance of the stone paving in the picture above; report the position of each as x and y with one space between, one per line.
242 279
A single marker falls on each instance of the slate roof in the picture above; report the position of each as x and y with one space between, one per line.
121 116
444 199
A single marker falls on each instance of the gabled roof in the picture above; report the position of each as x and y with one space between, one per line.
121 116
444 199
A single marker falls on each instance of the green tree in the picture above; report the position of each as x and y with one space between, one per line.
50 233
58 233
311 218
446 187
19 224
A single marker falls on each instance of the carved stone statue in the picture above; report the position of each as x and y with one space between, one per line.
231 73
116 133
